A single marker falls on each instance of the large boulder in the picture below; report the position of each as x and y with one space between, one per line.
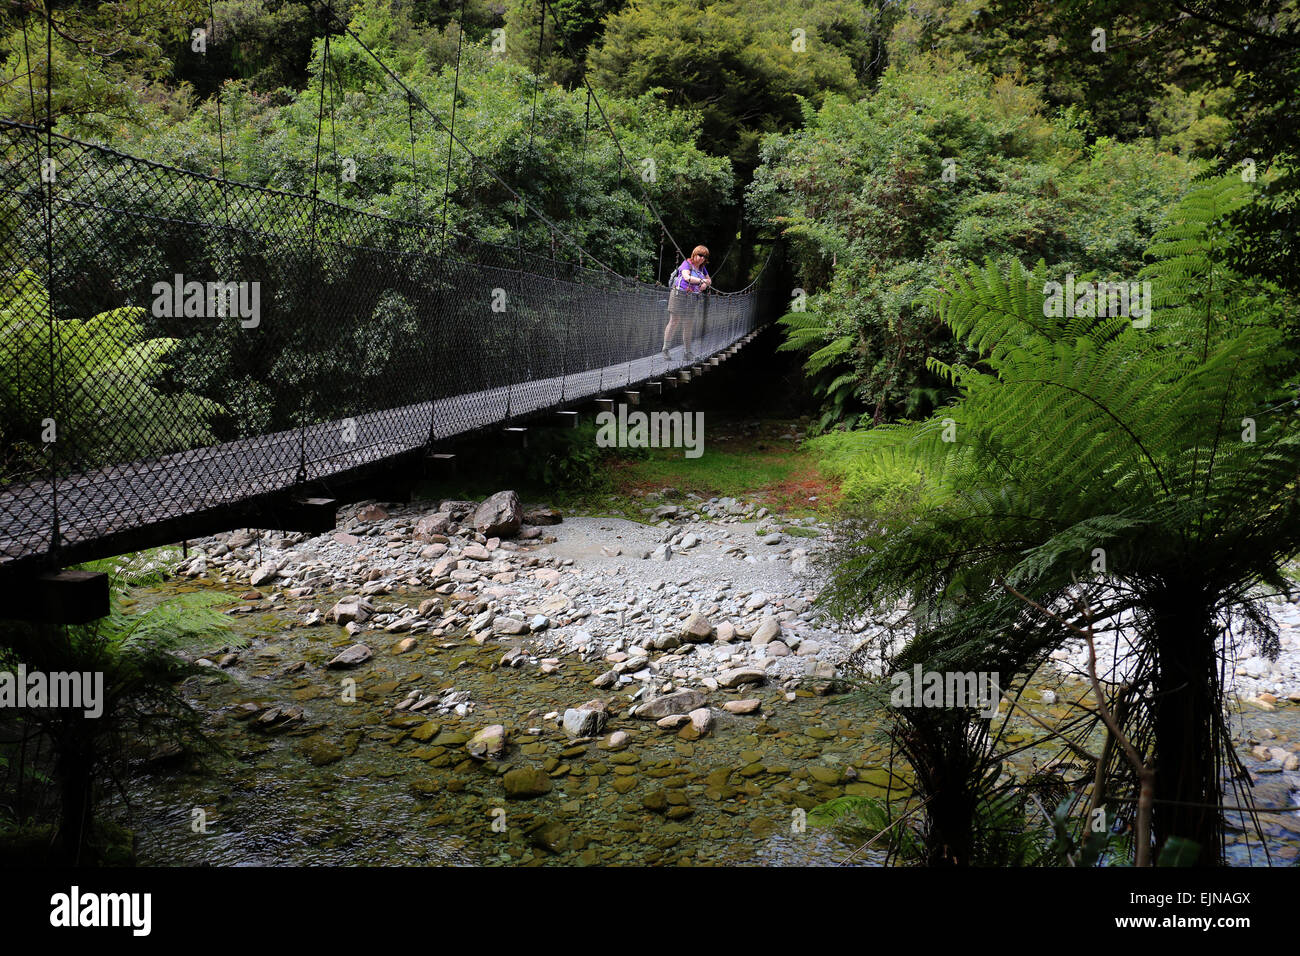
351 609
581 722
499 516
768 630
509 626
681 702
702 720
354 655
267 572
429 525
697 629
742 675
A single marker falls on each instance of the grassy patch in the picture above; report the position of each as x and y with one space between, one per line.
741 462
759 466
795 531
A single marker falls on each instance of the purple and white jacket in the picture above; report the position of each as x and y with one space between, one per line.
687 270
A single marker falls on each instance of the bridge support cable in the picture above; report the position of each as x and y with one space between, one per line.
48 172
221 132
514 193
451 127
415 169
311 269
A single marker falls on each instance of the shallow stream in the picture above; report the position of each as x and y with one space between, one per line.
359 782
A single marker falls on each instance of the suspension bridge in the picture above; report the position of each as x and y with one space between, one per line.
181 353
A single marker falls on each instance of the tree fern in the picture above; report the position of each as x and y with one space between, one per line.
830 363
1084 451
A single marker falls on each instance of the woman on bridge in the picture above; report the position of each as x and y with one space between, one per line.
685 297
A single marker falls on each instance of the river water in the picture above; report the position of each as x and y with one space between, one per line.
358 782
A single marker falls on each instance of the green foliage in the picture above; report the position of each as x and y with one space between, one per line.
139 654
882 479
563 460
558 156
1219 80
561 50
737 61
1078 433
870 819
860 193
106 399
808 331
106 57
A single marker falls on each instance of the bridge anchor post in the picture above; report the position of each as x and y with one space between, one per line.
57 597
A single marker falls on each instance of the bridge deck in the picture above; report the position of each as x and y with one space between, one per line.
140 495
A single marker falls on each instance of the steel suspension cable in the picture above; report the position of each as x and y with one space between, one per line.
336 93
315 221
451 129
221 133
459 142
36 143
55 342
614 136
415 169
582 180
532 118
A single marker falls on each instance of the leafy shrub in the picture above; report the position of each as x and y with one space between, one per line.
101 380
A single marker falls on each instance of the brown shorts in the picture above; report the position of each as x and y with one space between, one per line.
684 305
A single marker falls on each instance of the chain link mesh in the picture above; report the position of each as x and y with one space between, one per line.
172 342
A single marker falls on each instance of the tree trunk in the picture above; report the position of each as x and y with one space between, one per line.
951 818
938 746
76 775
1188 792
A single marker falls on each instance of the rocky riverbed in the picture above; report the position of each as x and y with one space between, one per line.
490 682
712 592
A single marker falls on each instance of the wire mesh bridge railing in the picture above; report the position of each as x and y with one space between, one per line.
173 343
